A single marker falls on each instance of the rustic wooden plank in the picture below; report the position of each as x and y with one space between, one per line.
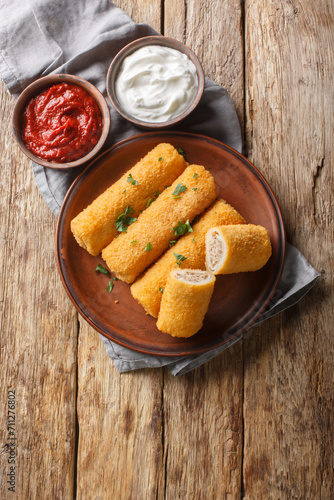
38 335
120 448
288 402
203 430
214 31
203 410
120 454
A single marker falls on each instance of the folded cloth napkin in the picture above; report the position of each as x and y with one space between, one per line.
38 37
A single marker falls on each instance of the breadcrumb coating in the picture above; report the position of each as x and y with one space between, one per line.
237 248
153 230
146 289
185 302
94 227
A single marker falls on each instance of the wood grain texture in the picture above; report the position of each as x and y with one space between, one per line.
38 334
257 421
120 453
288 402
203 410
214 31
203 436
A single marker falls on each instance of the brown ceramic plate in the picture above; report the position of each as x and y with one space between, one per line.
237 300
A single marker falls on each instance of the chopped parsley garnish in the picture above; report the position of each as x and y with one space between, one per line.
148 247
181 152
151 200
161 289
181 229
111 284
188 226
160 158
101 269
130 179
194 189
172 243
179 258
133 242
193 240
180 188
124 220
195 175
123 191
129 211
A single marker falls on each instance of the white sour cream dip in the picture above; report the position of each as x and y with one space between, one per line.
156 83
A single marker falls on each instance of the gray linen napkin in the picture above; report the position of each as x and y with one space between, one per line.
38 37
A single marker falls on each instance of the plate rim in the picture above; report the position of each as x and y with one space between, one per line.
236 153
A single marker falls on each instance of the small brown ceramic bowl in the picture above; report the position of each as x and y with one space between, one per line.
36 88
115 67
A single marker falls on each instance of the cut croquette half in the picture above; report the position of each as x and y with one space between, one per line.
237 248
185 302
147 288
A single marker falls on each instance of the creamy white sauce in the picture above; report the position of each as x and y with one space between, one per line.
156 83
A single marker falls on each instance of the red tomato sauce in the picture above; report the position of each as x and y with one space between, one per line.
62 124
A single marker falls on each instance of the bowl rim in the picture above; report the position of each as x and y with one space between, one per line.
132 47
34 89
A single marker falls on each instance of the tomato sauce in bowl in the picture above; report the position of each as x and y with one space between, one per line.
62 123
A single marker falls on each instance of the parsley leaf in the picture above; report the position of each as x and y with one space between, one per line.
194 189
148 247
161 289
123 220
111 284
151 200
101 269
128 211
179 258
181 229
130 179
133 242
160 158
181 152
172 243
195 175
180 188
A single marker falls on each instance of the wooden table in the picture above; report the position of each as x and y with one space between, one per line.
257 421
